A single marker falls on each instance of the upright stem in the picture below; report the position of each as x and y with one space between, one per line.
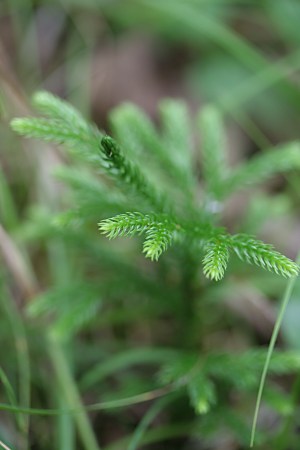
188 298
71 394
23 364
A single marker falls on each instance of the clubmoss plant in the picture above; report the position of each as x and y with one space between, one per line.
166 222
148 183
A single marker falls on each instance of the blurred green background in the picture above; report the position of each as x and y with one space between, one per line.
241 55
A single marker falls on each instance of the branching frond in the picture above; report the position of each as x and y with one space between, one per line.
127 172
131 122
202 393
164 156
59 109
84 140
172 150
212 145
128 224
176 130
257 252
65 125
217 243
262 167
151 173
243 369
45 129
120 119
176 134
216 259
159 230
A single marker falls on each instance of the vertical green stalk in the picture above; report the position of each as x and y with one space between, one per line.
8 209
187 313
65 427
22 353
70 392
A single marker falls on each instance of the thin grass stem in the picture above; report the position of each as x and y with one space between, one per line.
71 394
285 301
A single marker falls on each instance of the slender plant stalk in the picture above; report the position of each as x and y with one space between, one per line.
71 393
66 428
4 446
111 404
7 387
146 421
160 434
23 364
284 304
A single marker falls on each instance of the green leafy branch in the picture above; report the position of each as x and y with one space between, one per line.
168 220
263 255
240 370
215 259
260 168
161 230
130 174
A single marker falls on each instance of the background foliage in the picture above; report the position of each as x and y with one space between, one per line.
162 357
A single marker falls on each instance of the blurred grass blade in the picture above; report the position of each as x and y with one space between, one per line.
152 412
8 211
189 17
122 361
4 446
10 394
284 304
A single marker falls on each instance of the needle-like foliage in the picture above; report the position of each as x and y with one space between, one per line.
130 224
157 241
260 168
57 108
215 259
159 230
201 375
212 145
161 217
257 252
147 184
128 173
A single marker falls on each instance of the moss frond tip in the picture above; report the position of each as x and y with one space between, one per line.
216 259
18 125
109 146
41 97
294 269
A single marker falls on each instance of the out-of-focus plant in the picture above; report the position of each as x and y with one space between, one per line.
148 182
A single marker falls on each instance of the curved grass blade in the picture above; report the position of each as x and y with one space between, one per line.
284 304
